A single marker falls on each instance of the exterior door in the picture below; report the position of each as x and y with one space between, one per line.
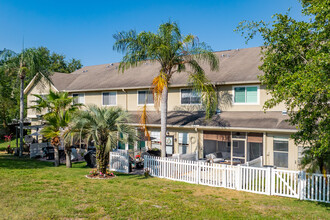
169 145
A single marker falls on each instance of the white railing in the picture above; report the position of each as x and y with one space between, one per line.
264 180
316 187
119 161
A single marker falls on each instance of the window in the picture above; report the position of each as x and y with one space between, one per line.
109 98
281 152
246 94
78 98
183 143
145 97
189 96
155 139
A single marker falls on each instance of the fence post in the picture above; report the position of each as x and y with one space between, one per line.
270 182
198 173
302 185
238 178
224 176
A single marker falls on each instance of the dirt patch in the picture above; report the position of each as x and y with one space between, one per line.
100 177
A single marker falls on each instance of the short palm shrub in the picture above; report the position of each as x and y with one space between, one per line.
104 125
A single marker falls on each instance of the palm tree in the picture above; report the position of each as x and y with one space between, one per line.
104 126
175 53
60 109
26 65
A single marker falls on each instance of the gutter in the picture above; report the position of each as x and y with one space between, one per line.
291 131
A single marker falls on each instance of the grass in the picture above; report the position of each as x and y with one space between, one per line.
4 145
32 189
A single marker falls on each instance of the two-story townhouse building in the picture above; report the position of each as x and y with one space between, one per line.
240 131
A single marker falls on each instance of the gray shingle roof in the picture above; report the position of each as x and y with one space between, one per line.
235 66
237 119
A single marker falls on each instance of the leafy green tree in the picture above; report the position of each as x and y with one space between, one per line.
19 69
296 68
175 53
25 66
60 110
104 126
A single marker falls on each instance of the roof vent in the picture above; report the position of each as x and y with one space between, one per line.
111 64
85 71
284 112
222 55
237 49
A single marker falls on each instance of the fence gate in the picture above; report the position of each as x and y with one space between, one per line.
119 161
285 183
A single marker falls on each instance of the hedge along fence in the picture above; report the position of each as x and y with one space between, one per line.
268 181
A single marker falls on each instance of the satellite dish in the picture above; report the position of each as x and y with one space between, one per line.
28 139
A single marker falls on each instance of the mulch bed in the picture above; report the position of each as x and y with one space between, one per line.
100 177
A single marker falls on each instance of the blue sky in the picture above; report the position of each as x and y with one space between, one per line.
83 29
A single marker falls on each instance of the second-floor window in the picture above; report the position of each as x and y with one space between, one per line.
190 97
145 97
246 94
78 98
109 98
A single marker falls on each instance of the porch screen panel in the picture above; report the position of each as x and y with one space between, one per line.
238 148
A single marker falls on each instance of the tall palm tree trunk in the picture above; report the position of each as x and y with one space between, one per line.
68 157
56 156
21 118
163 119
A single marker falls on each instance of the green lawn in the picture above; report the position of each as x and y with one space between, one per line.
4 145
32 189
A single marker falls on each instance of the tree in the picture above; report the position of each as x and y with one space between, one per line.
104 126
296 61
175 53
60 110
28 64
20 69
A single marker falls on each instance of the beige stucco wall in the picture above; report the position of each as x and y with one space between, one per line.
193 138
41 88
292 153
128 99
225 94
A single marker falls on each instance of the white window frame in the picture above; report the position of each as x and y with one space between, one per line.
258 95
109 92
190 103
281 139
78 95
137 98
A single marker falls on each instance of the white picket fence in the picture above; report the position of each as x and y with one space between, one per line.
119 161
264 180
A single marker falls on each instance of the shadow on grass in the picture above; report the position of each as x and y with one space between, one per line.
322 204
13 162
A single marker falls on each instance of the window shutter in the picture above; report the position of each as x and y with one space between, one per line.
255 137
